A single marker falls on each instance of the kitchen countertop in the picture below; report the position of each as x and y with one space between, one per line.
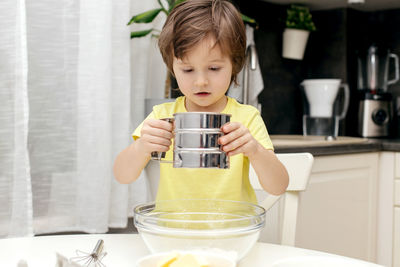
125 249
318 146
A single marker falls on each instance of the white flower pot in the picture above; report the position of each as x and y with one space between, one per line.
294 43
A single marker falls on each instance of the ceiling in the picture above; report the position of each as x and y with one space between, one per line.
368 5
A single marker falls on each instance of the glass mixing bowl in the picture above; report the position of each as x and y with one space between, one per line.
218 226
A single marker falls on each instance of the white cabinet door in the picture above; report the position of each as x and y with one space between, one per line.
397 192
396 215
396 238
387 172
337 212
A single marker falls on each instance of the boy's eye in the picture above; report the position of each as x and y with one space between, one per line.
214 68
187 70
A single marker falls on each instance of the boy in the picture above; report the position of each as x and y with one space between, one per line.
203 44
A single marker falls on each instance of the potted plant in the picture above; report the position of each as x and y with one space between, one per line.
150 15
298 26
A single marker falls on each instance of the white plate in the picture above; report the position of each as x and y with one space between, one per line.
213 259
318 261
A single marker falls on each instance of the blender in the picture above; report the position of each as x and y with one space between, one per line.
320 117
375 103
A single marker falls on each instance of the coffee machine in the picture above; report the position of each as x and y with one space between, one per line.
375 112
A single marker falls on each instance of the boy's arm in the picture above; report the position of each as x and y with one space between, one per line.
129 163
270 171
155 135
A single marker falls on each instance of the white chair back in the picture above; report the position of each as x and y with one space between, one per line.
298 166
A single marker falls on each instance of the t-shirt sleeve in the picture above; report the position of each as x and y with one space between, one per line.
136 133
259 131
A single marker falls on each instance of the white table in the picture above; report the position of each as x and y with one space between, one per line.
124 249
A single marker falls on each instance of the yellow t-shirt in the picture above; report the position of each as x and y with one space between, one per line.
203 183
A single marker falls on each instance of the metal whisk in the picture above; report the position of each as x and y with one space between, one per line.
91 259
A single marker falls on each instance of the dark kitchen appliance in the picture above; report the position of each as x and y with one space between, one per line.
375 103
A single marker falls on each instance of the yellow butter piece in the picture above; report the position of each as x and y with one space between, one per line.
189 260
168 259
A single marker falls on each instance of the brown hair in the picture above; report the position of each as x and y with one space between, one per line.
193 20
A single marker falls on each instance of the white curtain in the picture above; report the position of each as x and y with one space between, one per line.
70 96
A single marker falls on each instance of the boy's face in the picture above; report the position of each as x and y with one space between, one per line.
204 76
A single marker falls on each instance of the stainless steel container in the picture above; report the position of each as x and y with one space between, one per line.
196 140
200 120
200 158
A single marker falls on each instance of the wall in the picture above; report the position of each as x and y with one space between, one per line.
330 53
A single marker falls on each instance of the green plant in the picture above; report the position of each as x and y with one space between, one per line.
299 17
150 15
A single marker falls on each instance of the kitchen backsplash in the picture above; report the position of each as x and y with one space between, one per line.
330 53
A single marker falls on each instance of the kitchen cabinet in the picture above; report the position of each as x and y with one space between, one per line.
396 237
369 5
387 172
338 211
396 214
388 251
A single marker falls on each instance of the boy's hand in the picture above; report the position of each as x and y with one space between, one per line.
156 135
237 139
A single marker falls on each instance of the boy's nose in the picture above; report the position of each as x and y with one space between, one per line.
201 80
